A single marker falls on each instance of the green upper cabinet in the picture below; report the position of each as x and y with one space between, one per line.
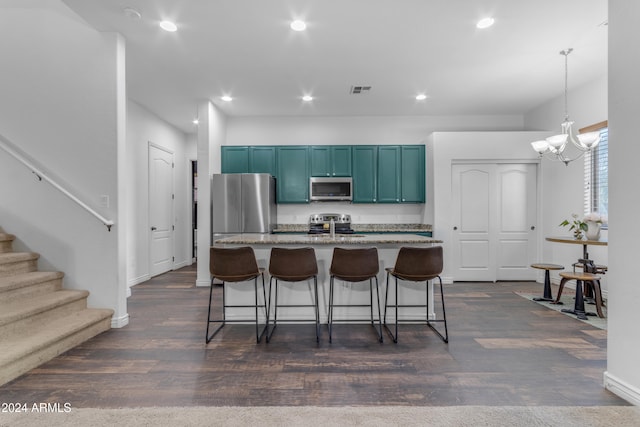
381 173
364 173
330 160
412 176
262 159
389 167
292 179
234 159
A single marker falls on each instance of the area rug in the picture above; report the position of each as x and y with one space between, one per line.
568 301
449 416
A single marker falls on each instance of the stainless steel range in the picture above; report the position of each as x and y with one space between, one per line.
321 223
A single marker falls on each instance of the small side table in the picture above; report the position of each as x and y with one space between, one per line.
546 296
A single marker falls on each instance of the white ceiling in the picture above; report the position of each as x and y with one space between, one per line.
245 48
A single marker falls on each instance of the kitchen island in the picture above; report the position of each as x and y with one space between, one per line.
323 244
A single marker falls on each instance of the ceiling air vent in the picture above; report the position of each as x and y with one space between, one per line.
356 90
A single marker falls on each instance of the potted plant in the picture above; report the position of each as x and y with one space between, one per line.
576 225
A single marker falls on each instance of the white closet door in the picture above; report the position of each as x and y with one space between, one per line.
494 208
516 220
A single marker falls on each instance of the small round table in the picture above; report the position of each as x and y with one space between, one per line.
546 296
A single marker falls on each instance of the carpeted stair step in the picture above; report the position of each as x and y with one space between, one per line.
24 316
29 350
6 242
24 284
18 262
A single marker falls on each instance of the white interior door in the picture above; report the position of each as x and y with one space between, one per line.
160 210
516 221
494 211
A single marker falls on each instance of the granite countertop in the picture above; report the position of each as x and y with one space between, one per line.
325 239
361 228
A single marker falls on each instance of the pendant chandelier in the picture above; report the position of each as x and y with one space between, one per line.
554 147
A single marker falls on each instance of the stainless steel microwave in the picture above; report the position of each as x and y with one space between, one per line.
330 189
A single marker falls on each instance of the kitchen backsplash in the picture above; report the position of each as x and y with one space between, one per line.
360 213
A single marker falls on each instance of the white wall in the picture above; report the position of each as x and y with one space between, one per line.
355 131
144 127
211 135
72 125
563 186
623 346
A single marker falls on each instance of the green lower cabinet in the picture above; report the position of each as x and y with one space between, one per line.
292 178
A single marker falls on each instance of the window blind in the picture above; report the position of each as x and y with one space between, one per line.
596 176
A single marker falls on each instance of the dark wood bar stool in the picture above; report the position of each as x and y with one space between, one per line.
235 265
581 278
293 265
417 265
546 295
355 265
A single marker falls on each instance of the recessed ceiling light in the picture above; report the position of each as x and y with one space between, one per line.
485 23
226 98
307 98
298 25
421 97
168 26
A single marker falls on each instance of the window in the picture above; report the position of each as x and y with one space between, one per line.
596 172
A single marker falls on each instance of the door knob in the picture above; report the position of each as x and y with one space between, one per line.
455 228
153 229
533 227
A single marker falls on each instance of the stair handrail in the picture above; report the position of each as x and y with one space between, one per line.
6 145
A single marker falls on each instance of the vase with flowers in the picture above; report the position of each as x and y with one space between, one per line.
589 225
594 221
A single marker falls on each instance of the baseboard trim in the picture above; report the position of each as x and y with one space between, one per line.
120 322
621 389
203 283
181 264
138 280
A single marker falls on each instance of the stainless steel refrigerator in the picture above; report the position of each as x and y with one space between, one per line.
242 203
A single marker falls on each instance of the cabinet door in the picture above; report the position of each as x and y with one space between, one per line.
262 160
293 174
412 174
341 160
320 160
389 163
234 159
364 173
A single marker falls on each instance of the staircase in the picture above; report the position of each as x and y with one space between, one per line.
38 319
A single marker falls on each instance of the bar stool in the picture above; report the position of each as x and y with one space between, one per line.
580 278
293 265
546 295
235 265
355 265
417 265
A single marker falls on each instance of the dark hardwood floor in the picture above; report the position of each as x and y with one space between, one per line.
504 350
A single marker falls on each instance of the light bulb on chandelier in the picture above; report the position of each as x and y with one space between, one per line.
554 146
